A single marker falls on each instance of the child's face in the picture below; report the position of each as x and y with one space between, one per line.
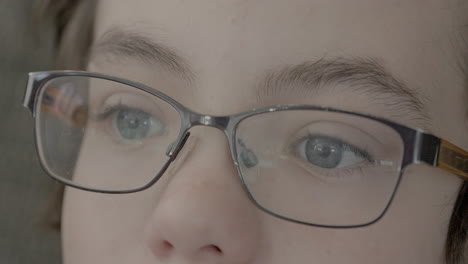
198 212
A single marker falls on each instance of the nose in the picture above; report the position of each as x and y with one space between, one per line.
203 214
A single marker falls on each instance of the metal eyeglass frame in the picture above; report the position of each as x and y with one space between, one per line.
419 147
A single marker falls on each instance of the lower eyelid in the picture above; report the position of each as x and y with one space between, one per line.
327 175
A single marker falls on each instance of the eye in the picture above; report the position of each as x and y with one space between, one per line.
135 125
330 153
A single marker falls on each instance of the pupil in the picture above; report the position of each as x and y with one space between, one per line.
323 152
132 124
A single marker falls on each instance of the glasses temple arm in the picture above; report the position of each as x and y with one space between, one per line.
452 159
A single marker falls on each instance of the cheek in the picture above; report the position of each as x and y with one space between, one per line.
104 219
106 227
413 230
423 207
106 164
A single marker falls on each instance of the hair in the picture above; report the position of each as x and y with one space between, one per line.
74 35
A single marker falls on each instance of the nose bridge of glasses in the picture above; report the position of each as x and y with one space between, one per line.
220 122
194 119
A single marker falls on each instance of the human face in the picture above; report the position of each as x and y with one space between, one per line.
198 212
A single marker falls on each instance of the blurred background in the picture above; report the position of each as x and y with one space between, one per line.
27 43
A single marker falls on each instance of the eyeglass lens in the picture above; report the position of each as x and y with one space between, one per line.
313 166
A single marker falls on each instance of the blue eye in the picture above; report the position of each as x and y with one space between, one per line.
330 153
134 124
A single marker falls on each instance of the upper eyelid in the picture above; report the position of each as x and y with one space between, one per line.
362 152
109 110
126 100
112 109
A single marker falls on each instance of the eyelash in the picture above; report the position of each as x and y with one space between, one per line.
327 174
112 109
363 153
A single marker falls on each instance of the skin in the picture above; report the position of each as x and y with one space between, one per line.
198 212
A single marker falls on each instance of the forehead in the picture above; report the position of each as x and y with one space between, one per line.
273 32
228 44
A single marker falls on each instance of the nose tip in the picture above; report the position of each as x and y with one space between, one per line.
184 238
202 238
207 231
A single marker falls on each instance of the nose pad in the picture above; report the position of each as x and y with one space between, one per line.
173 150
247 156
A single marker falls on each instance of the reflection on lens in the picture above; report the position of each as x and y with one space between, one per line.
65 103
318 167
102 134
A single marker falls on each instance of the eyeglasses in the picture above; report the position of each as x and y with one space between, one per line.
306 164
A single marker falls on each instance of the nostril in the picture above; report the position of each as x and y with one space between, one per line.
217 249
167 245
161 248
213 249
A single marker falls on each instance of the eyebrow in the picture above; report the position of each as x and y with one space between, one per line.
121 43
356 75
